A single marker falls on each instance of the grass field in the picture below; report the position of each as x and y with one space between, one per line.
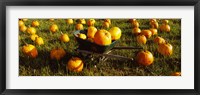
44 66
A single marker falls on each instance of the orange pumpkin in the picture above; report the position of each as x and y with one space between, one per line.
91 22
64 38
135 24
115 33
102 37
154 31
91 31
39 41
146 33
136 31
165 28
30 50
69 21
141 39
35 24
108 20
21 23
31 30
82 21
176 74
165 49
145 58
154 24
23 28
159 40
53 28
79 27
33 37
106 24
165 21
57 53
75 64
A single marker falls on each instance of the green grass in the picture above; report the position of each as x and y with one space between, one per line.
44 66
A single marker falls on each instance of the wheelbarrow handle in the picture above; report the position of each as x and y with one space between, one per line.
106 55
124 47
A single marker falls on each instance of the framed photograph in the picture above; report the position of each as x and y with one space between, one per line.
99 47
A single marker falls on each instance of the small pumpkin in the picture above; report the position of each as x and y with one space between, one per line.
82 36
145 58
79 27
23 28
176 74
91 22
108 20
154 24
69 21
135 24
39 41
75 64
141 39
165 49
146 33
91 31
64 38
30 50
35 24
31 30
136 31
57 53
53 28
159 40
106 24
21 23
33 37
154 31
165 28
82 21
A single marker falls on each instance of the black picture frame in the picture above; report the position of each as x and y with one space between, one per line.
4 3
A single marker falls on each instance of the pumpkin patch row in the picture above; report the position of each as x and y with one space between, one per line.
100 36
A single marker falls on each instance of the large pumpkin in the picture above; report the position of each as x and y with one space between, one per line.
115 33
57 53
141 39
75 64
146 33
91 31
165 49
30 50
145 58
102 37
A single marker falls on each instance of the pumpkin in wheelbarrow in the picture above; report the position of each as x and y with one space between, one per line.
102 37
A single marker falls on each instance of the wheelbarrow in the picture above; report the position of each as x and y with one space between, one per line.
90 48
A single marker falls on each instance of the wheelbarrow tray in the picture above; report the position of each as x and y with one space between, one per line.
91 46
